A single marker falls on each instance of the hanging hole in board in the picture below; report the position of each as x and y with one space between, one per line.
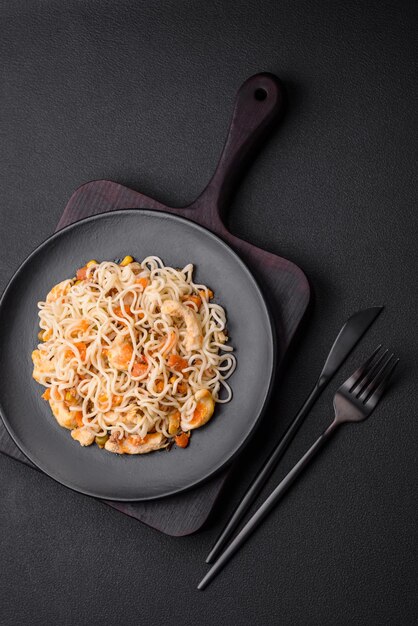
260 94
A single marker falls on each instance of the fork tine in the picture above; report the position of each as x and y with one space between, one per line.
359 374
373 379
379 391
359 388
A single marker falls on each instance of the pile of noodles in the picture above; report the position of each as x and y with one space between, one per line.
117 402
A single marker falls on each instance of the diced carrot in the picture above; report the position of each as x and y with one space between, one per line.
81 273
176 362
159 385
82 348
182 440
78 416
116 400
144 282
82 326
47 394
196 299
119 312
206 294
182 387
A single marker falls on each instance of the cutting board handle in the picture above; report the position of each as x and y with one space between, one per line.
258 106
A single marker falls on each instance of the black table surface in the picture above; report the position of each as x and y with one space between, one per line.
141 93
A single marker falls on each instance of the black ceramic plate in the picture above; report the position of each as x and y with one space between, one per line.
178 242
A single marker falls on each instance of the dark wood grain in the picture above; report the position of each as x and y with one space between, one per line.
258 107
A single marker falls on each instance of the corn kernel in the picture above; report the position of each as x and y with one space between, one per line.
77 282
69 397
126 261
92 262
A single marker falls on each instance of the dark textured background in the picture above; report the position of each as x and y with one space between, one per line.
141 93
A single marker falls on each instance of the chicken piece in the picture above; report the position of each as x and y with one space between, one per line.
120 353
40 366
63 415
194 336
83 436
59 291
222 337
133 444
205 406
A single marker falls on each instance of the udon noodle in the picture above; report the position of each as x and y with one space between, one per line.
134 356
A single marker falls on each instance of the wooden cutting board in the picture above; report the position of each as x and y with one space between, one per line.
258 108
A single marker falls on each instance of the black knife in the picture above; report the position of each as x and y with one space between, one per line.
347 338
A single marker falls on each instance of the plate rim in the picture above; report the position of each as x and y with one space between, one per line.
273 343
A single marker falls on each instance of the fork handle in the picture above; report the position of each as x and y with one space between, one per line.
263 475
267 505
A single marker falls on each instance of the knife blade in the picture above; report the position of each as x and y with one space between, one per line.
348 337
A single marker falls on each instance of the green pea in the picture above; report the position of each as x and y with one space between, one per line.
101 440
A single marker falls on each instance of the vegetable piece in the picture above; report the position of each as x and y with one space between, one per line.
196 299
82 349
174 422
207 294
91 263
128 259
78 416
46 394
81 327
182 440
176 362
101 440
159 385
81 273
144 282
120 313
70 396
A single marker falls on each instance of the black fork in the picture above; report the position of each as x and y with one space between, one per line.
353 402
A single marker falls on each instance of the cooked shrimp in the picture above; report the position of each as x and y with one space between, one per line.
120 353
133 444
83 436
63 415
205 406
194 336
59 291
